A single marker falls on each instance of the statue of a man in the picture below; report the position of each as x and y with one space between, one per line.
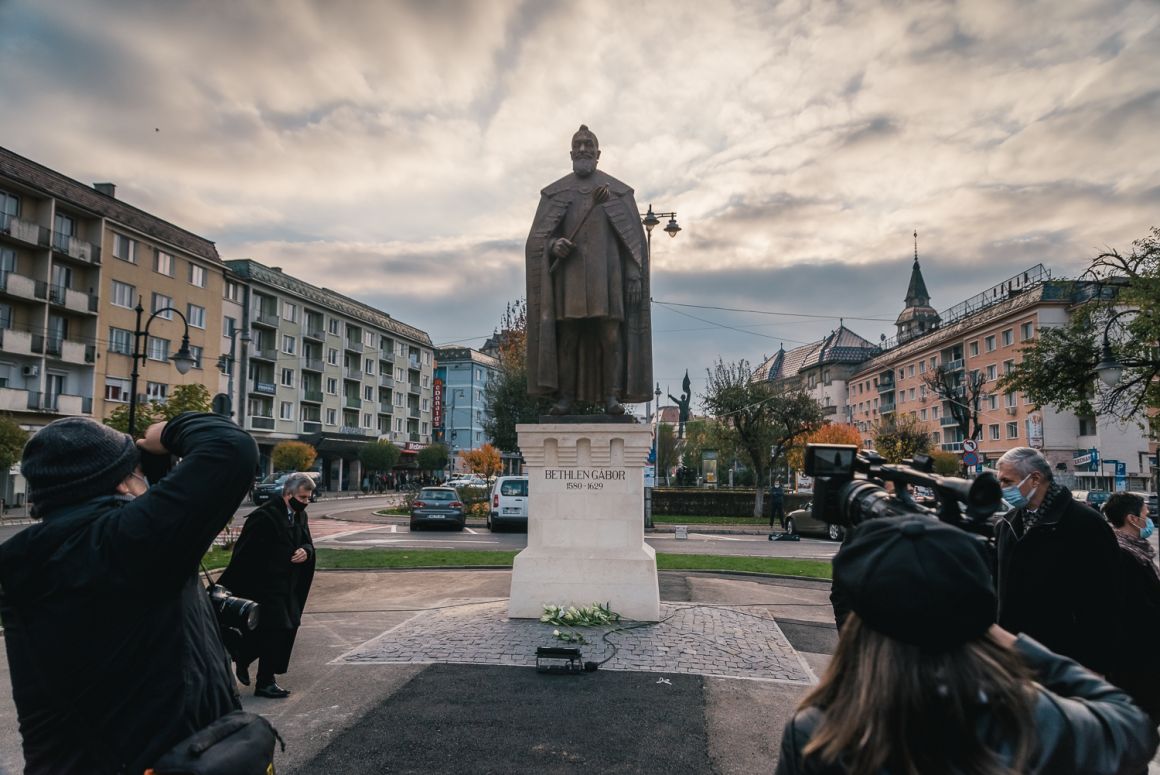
589 322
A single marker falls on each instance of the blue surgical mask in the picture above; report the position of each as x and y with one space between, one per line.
1148 529
1014 495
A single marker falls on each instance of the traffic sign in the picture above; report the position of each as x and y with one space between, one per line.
970 445
970 459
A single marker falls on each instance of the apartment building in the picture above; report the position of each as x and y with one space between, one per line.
323 368
822 369
74 263
462 375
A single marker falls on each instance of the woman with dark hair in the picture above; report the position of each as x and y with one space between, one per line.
924 681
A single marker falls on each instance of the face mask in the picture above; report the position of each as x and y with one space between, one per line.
297 505
1014 495
1148 529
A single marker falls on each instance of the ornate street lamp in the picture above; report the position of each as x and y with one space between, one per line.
183 359
1110 368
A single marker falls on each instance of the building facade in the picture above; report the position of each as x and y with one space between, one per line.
325 369
462 375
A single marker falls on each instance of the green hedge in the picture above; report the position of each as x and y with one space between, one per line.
689 501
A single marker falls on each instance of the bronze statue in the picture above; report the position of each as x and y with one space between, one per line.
589 321
683 404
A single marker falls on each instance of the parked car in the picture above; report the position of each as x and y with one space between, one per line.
1093 498
474 480
437 506
1150 500
271 486
802 521
509 503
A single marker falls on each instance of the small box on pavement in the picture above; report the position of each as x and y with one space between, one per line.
682 532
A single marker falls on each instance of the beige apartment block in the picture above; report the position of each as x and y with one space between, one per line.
323 368
66 330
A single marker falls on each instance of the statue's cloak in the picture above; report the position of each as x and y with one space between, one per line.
626 237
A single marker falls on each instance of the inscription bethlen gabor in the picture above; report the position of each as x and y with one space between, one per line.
584 478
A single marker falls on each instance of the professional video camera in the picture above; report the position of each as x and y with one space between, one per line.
235 615
849 488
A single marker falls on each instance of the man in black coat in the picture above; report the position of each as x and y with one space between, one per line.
1058 567
273 564
114 651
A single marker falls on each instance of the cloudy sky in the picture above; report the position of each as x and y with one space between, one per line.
394 150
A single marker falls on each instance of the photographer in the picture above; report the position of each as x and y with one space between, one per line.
924 681
114 651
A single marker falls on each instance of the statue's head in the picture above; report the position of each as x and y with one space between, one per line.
585 151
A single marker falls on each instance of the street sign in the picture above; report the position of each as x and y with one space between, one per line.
970 458
970 445
650 476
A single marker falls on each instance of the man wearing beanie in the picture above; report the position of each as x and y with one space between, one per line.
113 648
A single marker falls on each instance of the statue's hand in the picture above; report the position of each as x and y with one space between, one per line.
634 292
561 247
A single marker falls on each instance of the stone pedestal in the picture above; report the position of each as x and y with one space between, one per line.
585 521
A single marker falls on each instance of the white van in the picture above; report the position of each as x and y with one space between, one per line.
509 503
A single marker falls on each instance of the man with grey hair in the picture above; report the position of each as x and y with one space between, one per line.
273 564
1057 568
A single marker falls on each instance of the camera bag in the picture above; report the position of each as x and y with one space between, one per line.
238 743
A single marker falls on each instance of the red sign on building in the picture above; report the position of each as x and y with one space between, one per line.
437 404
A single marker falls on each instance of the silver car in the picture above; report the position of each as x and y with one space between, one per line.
801 521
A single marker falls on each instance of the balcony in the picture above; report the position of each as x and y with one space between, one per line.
413 387
954 446
59 403
16 342
885 385
311 426
354 347
412 436
72 247
385 380
387 356
266 319
18 285
262 423
312 364
316 334
385 407
955 365
264 354
886 407
23 231
413 411
353 373
314 396
352 402
13 400
68 350
829 410
948 421
413 363
265 388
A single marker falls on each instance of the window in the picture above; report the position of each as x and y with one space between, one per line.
912 394
910 370
331 416
156 391
288 344
934 413
400 374
989 343
368 420
196 352
233 291
229 325
123 295
400 400
157 349
425 404
1009 399
1087 425
426 380
163 263
161 302
994 431
117 390
368 393
332 326
1026 331
993 402
332 386
288 377
991 371
9 206
332 356
1012 430
286 410
399 424
124 248
197 275
922 367
369 338
368 366
426 357
196 316
1008 337
120 341
5 315
973 348
289 312
1008 366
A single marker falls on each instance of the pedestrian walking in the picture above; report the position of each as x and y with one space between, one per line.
273 564
924 681
1137 672
113 650
1058 565
776 504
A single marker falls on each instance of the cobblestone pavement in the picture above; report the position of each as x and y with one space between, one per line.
719 641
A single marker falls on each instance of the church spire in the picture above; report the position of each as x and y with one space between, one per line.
918 317
916 293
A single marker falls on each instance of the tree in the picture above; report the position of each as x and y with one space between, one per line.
484 461
666 450
185 398
433 457
830 433
1058 367
381 456
765 420
12 441
946 463
962 393
901 438
293 456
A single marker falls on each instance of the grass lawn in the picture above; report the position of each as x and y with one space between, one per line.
667 519
371 559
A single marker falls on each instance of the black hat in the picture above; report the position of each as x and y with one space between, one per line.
74 459
917 580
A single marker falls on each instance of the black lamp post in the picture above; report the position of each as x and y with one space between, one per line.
226 366
651 219
183 359
1110 368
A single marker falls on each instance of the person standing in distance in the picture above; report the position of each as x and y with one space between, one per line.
113 648
1057 565
273 565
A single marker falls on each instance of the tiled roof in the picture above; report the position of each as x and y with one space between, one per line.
841 346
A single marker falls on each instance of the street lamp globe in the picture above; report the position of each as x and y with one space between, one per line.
672 227
183 359
1109 369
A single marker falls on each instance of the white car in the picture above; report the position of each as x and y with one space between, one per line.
509 503
467 481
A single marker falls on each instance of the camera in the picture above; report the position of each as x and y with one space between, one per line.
235 615
849 488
